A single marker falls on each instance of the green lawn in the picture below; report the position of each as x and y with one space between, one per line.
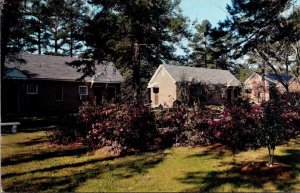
31 163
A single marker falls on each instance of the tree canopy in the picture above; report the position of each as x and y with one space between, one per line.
264 29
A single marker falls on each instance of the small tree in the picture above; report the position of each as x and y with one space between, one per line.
272 126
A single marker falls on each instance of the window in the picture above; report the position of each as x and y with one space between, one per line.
32 89
59 93
156 91
83 90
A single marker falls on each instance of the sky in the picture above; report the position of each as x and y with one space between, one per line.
212 10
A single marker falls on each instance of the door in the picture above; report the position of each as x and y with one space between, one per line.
98 93
229 91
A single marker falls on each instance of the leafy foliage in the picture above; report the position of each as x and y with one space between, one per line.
135 35
192 94
122 126
200 43
267 31
183 126
240 126
237 126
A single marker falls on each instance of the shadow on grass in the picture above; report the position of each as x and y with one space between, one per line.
96 169
34 141
38 156
216 151
210 181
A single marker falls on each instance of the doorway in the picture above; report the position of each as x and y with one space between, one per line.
98 93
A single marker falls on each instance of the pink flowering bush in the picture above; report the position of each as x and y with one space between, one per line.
123 127
183 126
236 128
239 126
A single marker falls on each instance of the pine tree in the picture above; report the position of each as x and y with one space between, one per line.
38 38
77 13
55 24
221 43
12 31
201 55
261 28
136 35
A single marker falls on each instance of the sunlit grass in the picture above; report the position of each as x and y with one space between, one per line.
31 163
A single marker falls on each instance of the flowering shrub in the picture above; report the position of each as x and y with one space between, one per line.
196 128
122 126
67 130
89 112
185 126
237 126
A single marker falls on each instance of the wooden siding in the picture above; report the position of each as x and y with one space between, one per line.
167 90
15 99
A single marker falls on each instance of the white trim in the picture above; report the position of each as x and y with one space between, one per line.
15 73
83 94
97 75
272 81
245 82
153 85
30 92
157 72
266 78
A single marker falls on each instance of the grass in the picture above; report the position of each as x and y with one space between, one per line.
31 163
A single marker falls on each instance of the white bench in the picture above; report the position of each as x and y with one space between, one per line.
13 124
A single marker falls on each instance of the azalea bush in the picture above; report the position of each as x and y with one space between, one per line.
237 127
68 130
243 126
184 126
123 127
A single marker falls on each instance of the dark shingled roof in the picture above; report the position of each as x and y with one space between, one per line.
56 68
204 75
276 77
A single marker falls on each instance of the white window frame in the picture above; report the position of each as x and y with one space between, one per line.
62 93
30 92
83 94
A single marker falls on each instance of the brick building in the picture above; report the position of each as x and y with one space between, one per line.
46 84
257 91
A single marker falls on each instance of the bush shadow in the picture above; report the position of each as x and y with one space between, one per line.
211 181
96 169
39 156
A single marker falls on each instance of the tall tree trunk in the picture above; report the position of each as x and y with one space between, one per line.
55 42
39 39
136 71
205 54
71 43
271 151
264 81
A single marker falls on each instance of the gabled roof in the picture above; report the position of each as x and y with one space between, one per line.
203 75
274 78
48 67
277 77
